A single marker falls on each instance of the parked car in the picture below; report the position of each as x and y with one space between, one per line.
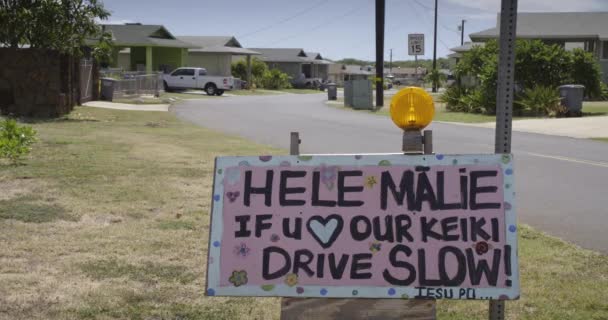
197 78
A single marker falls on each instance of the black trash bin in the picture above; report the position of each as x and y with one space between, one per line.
332 91
107 89
572 98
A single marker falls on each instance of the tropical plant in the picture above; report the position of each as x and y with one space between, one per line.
258 68
435 77
102 51
15 140
542 100
274 79
452 98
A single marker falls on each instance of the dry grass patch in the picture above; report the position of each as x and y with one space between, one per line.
109 219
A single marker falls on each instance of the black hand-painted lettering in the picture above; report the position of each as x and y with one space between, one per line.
284 190
266 190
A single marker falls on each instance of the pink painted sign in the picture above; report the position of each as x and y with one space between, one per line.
378 226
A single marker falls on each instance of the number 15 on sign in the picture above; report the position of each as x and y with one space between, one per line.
415 43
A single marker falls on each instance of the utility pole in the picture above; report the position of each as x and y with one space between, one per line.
462 32
435 49
390 64
380 5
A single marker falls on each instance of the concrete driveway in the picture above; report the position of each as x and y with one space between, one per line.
561 182
586 127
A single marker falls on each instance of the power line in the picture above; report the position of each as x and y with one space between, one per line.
425 17
317 4
307 31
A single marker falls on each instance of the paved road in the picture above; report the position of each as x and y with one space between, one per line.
562 183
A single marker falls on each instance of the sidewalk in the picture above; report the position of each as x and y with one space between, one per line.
125 106
585 127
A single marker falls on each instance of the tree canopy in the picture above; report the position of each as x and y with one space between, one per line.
62 25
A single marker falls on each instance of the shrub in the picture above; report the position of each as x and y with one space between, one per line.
586 71
258 68
275 80
536 64
542 100
451 97
15 140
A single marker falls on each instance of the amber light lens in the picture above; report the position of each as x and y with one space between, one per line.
412 108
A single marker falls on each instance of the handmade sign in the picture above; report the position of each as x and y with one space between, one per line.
371 226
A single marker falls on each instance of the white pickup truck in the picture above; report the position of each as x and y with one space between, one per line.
197 78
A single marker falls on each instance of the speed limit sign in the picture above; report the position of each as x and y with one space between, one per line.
415 44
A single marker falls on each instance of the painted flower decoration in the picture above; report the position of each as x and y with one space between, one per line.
370 181
375 246
328 175
242 250
291 279
232 195
238 278
233 175
482 247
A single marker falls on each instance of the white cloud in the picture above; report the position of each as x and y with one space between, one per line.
535 5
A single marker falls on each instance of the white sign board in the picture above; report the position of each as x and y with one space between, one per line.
415 44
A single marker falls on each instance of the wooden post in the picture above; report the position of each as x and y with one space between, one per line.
355 309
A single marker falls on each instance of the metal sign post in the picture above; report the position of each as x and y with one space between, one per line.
504 101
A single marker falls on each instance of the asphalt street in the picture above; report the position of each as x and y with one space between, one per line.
561 183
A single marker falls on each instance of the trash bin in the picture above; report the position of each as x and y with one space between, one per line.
572 98
332 91
107 89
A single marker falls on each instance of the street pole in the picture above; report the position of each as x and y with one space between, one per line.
390 64
380 5
504 102
462 32
435 49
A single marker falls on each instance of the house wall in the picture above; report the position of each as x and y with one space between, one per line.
217 64
320 71
166 59
123 61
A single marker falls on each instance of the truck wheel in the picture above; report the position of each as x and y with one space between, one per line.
166 86
219 92
210 89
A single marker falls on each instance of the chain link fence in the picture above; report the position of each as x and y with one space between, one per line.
133 84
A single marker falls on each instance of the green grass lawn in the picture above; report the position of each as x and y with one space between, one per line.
108 219
601 139
595 108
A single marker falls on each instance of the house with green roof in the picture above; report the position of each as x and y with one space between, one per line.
146 47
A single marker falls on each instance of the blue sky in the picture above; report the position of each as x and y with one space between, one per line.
335 28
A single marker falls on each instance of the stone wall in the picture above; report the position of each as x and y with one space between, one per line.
37 83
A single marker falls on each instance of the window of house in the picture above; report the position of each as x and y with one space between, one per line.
574 45
604 49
